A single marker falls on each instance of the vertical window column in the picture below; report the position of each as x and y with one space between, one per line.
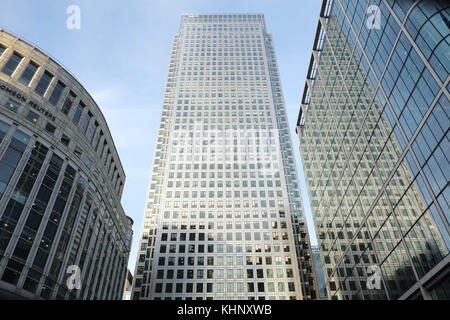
54 220
67 231
38 208
19 197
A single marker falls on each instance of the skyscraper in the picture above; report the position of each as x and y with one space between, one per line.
223 218
373 128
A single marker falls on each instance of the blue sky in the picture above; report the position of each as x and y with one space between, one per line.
121 56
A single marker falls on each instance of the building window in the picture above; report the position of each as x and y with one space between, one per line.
12 105
50 128
2 49
32 281
99 138
33 117
88 162
29 73
12 272
43 83
78 151
94 128
11 157
65 140
4 127
68 103
78 112
12 64
56 94
260 287
86 122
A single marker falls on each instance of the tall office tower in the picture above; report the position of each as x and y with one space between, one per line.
373 128
223 218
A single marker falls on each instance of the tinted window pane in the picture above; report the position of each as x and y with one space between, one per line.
56 94
78 112
68 103
86 121
12 104
43 83
33 117
28 74
12 63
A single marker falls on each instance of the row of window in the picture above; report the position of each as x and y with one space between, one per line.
241 120
220 226
49 127
222 46
256 80
229 248
224 260
197 104
221 184
232 53
266 236
218 214
230 124
42 86
229 203
231 287
214 66
178 220
200 58
222 27
227 105
220 273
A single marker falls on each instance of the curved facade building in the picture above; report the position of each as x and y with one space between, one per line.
61 182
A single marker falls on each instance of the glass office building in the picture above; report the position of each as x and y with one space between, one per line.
373 129
223 218
61 181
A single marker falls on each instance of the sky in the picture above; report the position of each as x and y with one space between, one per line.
121 55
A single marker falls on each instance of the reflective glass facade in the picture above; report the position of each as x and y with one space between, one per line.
223 218
319 273
373 129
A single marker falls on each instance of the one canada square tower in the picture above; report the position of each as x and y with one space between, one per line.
223 216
